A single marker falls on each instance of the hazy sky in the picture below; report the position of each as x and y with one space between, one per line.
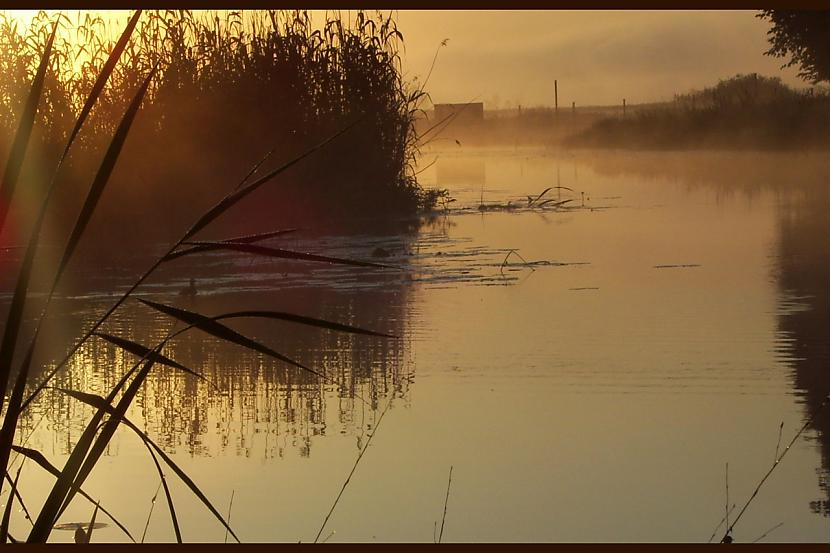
598 57
505 58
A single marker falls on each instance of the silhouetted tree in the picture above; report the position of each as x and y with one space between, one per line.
805 37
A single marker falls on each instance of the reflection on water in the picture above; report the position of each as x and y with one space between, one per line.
802 273
248 393
621 346
805 274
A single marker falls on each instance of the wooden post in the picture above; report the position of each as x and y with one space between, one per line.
555 97
573 108
623 107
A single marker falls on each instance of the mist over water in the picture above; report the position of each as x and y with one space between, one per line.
663 322
486 313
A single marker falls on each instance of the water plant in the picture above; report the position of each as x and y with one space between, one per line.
120 68
227 83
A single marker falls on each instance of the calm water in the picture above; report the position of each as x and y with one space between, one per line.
662 323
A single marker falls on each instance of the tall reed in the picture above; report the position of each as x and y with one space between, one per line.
227 83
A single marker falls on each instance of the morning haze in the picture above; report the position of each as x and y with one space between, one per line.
239 249
506 58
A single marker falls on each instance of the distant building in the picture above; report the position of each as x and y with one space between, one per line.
465 114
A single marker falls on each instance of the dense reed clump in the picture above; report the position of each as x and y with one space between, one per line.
230 86
746 111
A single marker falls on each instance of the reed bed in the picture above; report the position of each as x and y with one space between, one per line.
21 379
229 86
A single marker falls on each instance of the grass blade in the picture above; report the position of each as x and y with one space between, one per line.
211 326
19 498
103 77
13 412
354 468
104 172
532 201
7 512
24 131
169 497
300 319
146 353
16 309
66 477
554 203
108 430
150 514
232 199
284 254
10 177
248 239
44 463
87 536
100 403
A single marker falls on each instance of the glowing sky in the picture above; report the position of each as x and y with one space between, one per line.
507 58
598 57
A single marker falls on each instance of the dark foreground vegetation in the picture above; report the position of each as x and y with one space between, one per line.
23 378
747 111
230 87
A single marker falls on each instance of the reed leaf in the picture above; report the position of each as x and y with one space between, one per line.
211 326
232 199
13 412
284 254
10 177
20 144
65 483
6 350
554 202
91 527
103 77
19 498
174 519
100 403
108 429
532 201
18 300
44 463
104 172
248 239
146 353
300 319
7 512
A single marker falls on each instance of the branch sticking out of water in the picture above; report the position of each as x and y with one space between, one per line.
446 500
726 537
357 461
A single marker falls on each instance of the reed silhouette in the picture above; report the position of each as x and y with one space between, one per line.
22 378
228 87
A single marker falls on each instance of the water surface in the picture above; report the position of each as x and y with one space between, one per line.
590 386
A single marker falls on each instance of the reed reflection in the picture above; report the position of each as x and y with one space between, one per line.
252 405
802 269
